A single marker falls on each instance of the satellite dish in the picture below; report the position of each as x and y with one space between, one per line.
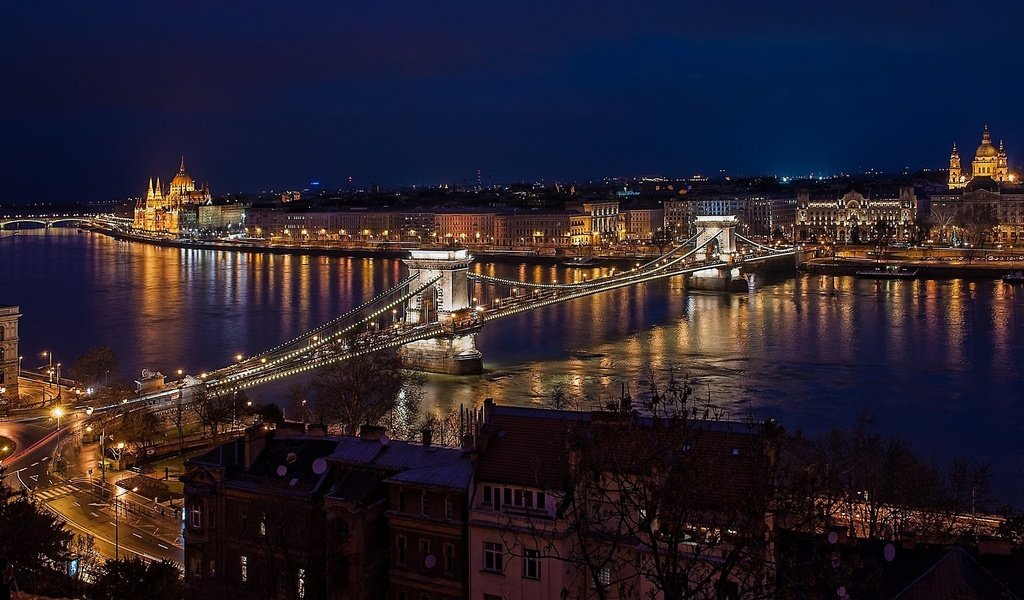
384 439
282 471
430 561
889 552
319 466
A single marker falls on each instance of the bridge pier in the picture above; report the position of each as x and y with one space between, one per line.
449 355
721 279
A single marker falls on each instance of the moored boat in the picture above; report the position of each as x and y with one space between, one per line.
888 272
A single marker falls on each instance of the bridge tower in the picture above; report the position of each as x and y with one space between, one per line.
444 302
719 235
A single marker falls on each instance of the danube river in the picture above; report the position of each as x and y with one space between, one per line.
938 362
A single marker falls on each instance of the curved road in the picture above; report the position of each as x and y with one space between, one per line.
80 502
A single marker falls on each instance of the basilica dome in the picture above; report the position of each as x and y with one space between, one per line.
985 150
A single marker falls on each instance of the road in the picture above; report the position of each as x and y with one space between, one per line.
84 503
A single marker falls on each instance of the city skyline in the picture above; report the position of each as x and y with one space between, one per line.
270 99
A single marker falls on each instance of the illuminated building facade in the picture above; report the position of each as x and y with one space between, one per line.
989 161
9 366
855 217
161 210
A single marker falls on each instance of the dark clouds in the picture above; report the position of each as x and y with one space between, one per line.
97 98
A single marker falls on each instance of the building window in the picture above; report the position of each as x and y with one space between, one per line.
401 500
507 493
531 564
243 562
493 557
300 587
400 547
263 524
425 504
195 566
449 558
448 508
197 516
424 548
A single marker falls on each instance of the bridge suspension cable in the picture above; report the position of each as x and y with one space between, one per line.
314 341
762 246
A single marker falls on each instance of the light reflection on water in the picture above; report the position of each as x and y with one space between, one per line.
938 361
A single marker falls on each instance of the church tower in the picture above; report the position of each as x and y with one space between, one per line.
955 179
1002 168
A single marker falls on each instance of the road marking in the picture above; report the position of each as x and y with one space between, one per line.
137 535
77 504
34 464
92 514
112 523
162 546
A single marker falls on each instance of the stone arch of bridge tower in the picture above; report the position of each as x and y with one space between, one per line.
719 231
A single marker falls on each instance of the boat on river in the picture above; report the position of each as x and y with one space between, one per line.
888 272
582 261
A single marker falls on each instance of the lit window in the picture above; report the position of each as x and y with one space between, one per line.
243 561
197 516
300 588
263 524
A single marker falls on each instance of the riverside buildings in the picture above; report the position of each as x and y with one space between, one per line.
986 206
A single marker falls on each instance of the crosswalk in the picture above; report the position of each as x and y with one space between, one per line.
55 492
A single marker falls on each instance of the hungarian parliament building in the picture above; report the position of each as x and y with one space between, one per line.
165 210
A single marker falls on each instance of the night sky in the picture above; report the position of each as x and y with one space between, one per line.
97 97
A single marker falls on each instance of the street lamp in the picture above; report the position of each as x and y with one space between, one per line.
58 413
49 372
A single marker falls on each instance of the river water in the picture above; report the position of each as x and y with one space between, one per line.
938 362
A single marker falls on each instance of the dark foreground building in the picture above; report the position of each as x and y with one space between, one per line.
293 513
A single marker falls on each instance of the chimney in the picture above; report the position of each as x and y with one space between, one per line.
371 432
428 436
255 440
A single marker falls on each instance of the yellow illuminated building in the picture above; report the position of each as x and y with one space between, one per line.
989 161
162 210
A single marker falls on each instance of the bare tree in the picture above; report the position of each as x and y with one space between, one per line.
369 389
664 498
212 409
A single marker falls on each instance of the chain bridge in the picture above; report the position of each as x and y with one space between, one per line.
432 319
